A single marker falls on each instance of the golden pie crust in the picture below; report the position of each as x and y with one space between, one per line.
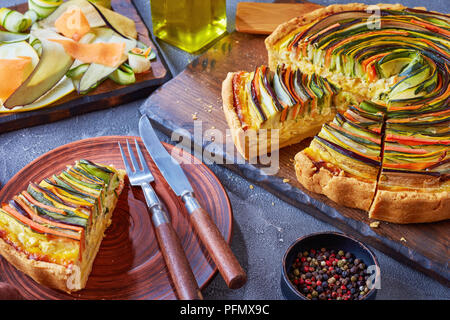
339 188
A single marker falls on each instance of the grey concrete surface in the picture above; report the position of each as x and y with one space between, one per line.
264 226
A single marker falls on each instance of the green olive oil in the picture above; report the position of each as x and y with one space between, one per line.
189 24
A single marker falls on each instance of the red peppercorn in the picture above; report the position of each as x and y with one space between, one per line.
311 269
301 281
306 269
343 287
328 263
336 276
303 259
319 283
313 251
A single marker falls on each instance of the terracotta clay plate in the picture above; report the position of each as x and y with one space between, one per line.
129 264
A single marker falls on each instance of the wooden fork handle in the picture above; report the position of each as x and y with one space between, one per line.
229 267
175 258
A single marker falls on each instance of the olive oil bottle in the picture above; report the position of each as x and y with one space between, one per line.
189 24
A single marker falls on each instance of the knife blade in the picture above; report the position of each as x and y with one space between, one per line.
229 267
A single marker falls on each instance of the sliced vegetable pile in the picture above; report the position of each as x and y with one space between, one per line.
54 220
57 47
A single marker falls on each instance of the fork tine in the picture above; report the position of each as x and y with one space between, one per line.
141 157
133 158
125 161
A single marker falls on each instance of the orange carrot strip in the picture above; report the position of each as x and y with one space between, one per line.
431 27
36 226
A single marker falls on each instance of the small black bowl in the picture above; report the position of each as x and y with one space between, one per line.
331 241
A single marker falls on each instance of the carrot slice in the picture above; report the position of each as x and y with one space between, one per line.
36 226
337 24
13 73
73 24
413 140
409 166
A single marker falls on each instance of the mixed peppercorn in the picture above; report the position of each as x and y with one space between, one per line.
329 275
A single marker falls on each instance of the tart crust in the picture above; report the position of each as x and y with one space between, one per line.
410 206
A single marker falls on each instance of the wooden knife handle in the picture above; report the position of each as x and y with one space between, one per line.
229 267
179 269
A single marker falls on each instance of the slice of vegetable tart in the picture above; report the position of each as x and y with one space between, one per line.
52 230
370 84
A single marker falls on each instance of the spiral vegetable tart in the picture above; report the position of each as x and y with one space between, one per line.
52 231
383 71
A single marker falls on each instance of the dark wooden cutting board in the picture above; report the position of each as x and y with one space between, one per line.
107 95
196 94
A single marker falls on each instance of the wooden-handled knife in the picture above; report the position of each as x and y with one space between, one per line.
203 224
